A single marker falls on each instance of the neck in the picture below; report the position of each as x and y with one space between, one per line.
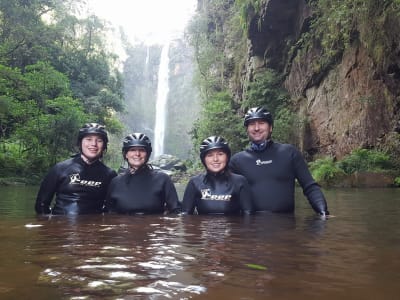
259 146
133 170
87 160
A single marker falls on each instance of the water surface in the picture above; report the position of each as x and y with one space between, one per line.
354 255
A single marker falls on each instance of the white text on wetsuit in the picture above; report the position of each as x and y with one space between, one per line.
75 179
260 162
206 195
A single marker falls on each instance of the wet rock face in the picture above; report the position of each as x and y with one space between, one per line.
349 108
350 105
280 21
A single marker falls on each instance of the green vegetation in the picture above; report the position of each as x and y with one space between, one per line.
219 118
220 43
365 160
327 171
337 24
210 31
55 75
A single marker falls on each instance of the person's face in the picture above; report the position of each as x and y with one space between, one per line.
215 160
136 157
258 130
92 146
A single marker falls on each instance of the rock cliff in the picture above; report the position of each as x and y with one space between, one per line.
350 104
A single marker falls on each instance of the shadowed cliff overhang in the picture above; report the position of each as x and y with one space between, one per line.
273 31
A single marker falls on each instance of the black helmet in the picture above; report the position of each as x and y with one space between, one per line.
137 140
93 128
259 113
214 142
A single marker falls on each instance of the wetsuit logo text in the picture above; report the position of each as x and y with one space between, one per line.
76 179
260 162
206 195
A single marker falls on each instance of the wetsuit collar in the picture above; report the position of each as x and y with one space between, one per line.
259 147
133 171
222 174
87 161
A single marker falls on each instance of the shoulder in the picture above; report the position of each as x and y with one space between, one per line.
198 177
238 177
65 163
242 154
119 177
284 147
160 175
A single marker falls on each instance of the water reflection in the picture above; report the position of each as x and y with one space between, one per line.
106 256
267 256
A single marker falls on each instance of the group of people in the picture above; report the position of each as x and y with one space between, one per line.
260 178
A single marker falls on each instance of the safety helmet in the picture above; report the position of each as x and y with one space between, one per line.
214 142
258 113
137 139
93 128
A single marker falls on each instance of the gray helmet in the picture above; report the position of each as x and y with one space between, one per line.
214 142
93 128
137 139
258 113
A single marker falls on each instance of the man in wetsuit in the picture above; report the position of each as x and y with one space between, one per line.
272 168
141 190
217 191
79 183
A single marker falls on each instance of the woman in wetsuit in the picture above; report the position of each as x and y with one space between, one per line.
140 189
79 183
217 191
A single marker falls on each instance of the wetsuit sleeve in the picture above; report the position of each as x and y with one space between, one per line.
171 197
246 199
47 189
189 198
311 189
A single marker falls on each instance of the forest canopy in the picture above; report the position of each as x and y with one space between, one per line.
55 75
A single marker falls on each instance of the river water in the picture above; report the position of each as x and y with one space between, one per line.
353 255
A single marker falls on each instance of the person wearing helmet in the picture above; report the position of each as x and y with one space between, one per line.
141 189
217 191
79 183
272 168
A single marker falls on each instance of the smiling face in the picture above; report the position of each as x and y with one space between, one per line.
92 146
215 160
259 130
136 157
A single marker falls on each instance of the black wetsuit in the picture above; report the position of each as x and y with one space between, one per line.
145 192
80 188
271 174
225 193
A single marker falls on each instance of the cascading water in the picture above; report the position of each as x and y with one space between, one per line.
161 102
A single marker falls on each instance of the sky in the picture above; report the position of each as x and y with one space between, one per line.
149 21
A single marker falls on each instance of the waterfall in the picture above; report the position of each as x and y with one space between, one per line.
147 56
161 102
